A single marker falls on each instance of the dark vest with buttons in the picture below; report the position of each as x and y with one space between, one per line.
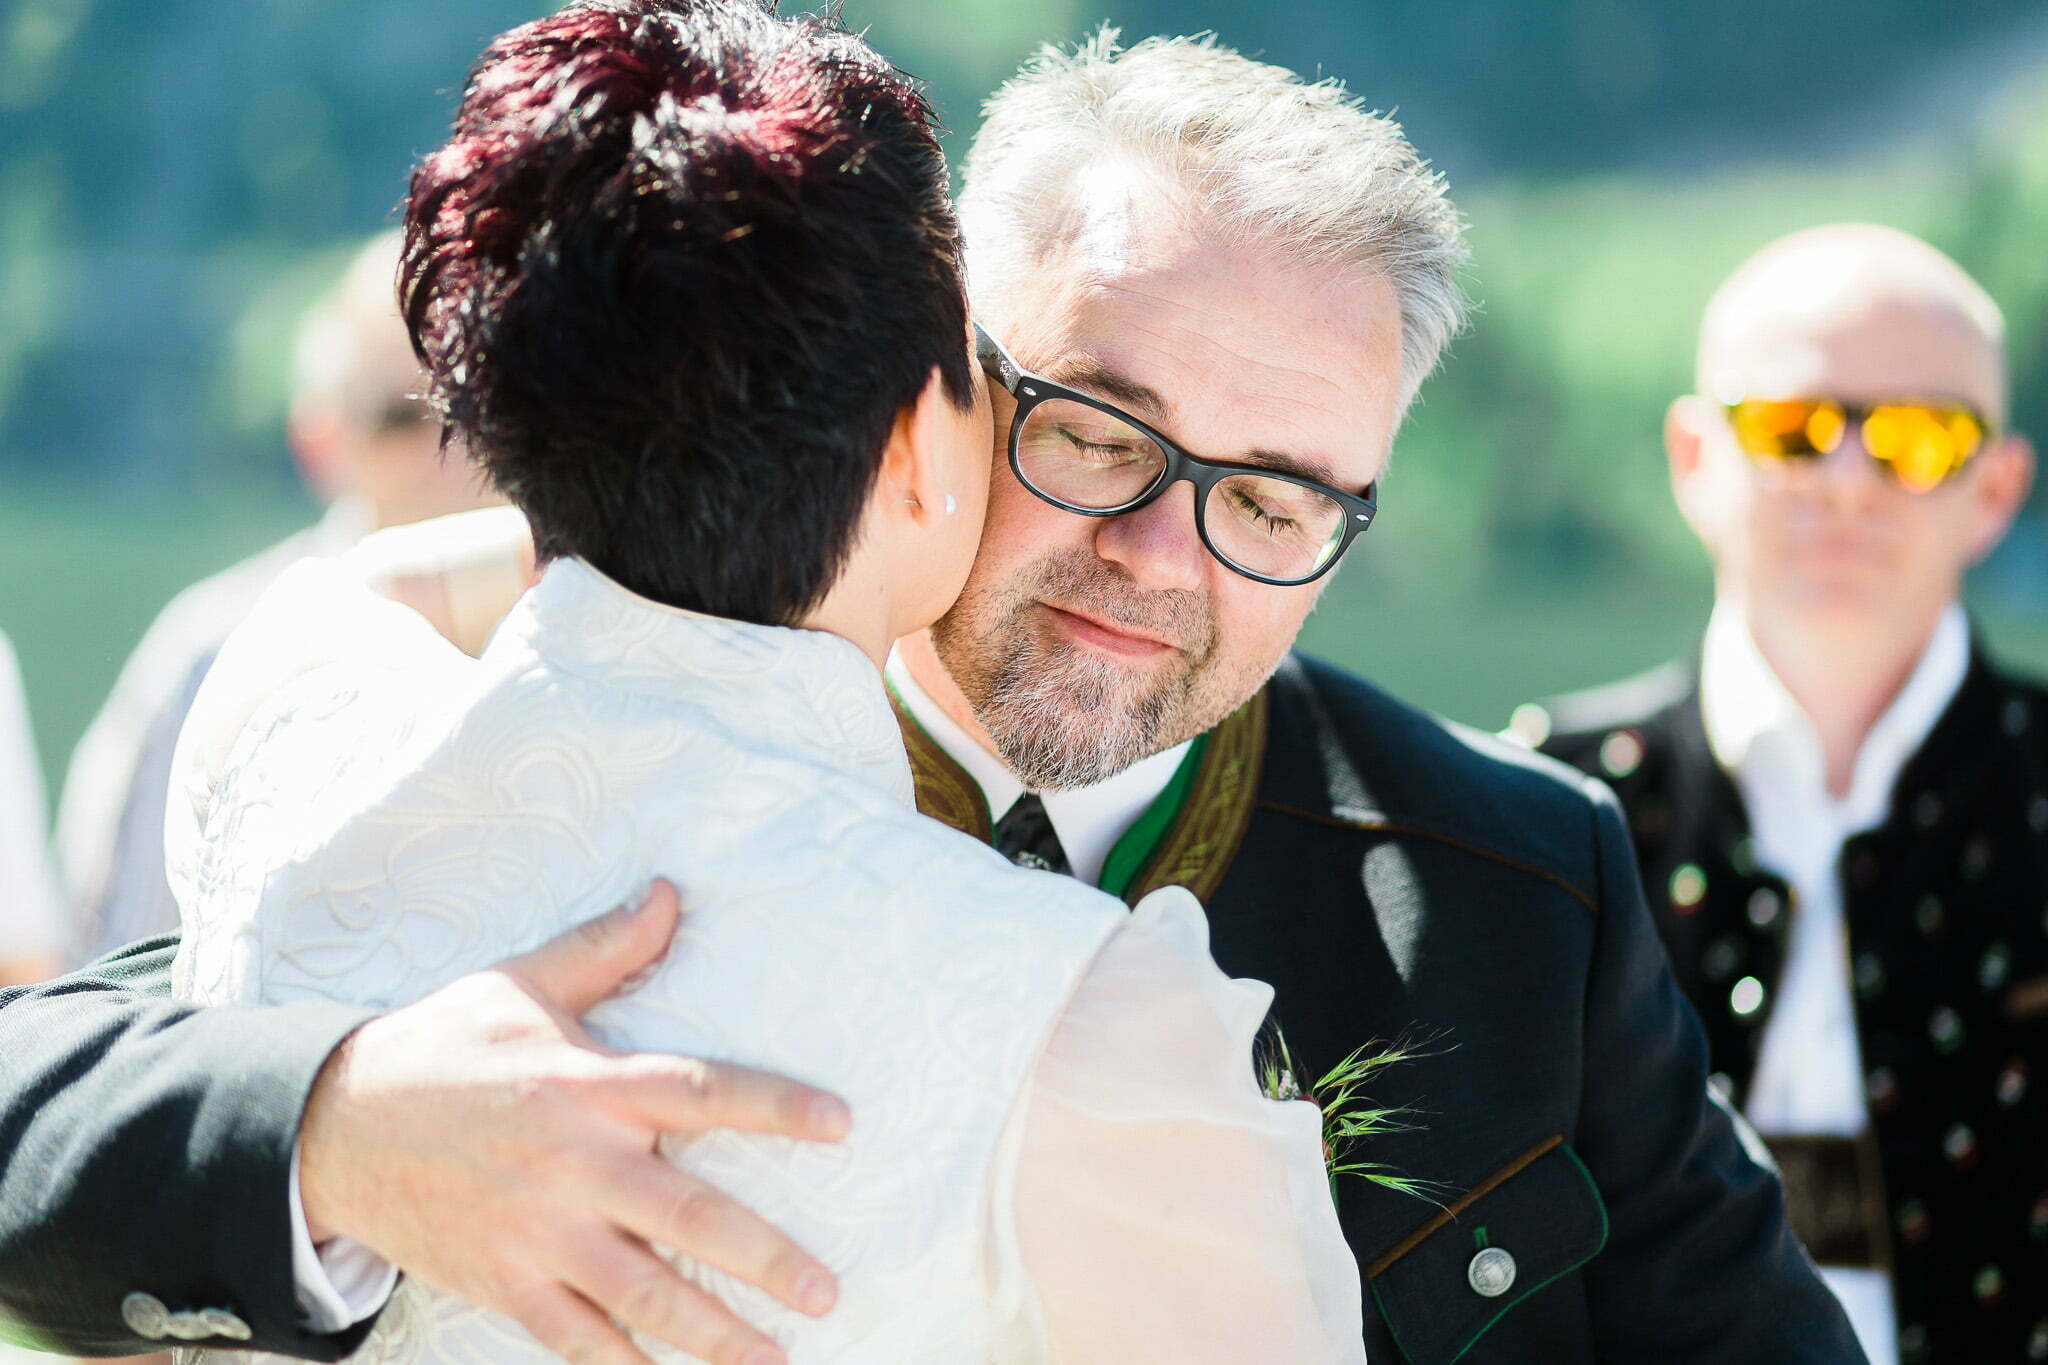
1946 906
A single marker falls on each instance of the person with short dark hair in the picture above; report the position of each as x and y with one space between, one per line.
735 245
687 281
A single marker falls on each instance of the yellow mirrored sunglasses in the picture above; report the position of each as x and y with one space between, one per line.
1921 443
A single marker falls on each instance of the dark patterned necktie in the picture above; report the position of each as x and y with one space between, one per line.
1025 836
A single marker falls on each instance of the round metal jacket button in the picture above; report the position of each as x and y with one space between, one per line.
221 1323
1491 1273
146 1316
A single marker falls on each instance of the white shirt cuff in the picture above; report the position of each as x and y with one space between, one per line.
339 1284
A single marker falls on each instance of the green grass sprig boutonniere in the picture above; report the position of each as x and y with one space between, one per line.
1350 1117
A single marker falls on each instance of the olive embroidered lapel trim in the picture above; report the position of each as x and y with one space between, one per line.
1198 846
945 792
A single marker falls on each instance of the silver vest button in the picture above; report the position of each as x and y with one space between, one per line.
146 1316
1491 1273
221 1323
188 1326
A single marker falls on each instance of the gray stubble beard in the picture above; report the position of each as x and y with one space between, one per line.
1062 719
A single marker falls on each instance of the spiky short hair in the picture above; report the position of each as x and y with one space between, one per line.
673 277
1300 167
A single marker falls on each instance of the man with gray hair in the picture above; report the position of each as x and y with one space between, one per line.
1207 292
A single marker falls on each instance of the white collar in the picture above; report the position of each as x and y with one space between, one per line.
348 520
1088 820
806 692
1756 729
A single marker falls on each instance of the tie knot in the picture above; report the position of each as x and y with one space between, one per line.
1025 836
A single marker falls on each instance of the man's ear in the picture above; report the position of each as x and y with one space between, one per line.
914 476
1685 436
319 448
2003 481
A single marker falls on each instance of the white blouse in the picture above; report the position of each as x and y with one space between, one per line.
1059 1151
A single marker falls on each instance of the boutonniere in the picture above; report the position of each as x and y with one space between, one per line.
1350 1117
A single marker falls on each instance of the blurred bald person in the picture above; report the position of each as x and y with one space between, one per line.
1841 805
367 449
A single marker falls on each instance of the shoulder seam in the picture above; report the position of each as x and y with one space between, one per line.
1415 831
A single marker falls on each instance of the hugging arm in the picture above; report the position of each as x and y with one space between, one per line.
1699 1264
148 1150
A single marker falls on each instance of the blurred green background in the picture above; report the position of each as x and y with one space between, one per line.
177 180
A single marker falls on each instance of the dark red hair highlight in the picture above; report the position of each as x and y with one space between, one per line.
677 269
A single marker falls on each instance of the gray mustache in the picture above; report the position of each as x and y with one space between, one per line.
1085 581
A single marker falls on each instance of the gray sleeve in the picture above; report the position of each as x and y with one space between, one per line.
137 902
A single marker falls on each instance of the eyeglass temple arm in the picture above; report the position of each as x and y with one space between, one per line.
993 356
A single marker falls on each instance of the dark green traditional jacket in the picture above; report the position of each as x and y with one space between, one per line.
1399 879
1946 906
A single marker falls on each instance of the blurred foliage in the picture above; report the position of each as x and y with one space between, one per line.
177 180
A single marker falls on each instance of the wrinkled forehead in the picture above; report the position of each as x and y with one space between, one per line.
1854 345
1223 350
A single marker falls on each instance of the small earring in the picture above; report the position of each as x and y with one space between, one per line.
951 506
912 502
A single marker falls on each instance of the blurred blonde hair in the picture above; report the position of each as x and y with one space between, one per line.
1256 154
352 356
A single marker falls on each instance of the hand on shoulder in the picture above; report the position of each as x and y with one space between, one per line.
484 1143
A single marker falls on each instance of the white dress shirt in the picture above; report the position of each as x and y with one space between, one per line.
339 1283
1809 1072
1088 821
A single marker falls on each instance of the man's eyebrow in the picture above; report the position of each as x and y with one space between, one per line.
1093 376
1301 467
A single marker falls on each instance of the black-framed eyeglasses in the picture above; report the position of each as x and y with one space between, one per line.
1088 457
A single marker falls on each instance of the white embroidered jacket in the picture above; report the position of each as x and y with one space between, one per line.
1058 1151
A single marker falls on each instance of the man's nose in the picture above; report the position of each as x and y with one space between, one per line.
1157 545
1847 470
